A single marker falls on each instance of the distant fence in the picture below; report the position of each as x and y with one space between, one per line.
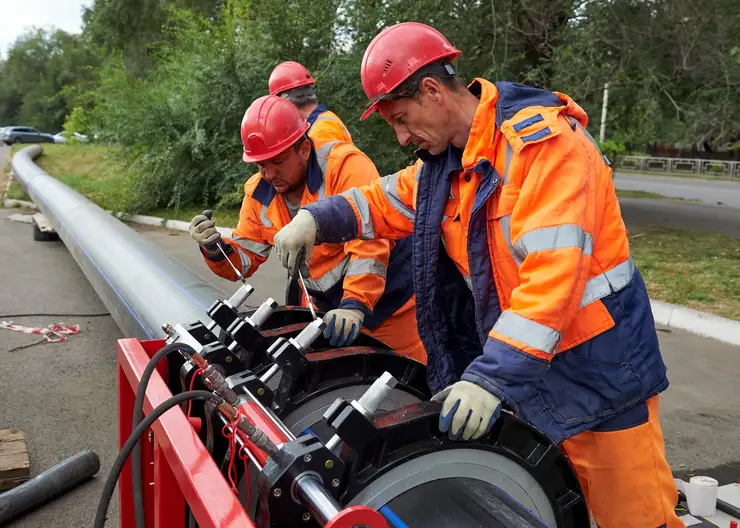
715 168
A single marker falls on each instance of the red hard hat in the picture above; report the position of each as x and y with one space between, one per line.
396 54
287 76
270 125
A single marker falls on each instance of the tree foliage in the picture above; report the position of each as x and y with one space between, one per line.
169 80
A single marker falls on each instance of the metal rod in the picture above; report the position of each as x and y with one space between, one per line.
241 444
308 297
323 506
271 415
267 376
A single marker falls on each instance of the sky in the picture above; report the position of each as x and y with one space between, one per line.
18 15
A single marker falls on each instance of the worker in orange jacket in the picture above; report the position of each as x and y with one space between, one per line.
292 81
358 283
532 298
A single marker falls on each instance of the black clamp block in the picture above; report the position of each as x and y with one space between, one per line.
286 355
222 314
303 456
200 332
246 381
246 335
354 428
218 355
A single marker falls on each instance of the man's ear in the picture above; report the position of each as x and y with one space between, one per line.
305 149
431 88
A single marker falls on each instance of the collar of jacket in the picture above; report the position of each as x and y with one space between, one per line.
313 116
265 193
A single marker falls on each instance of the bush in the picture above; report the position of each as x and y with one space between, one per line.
76 122
613 150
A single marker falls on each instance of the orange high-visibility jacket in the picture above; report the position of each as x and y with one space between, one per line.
531 226
347 275
326 126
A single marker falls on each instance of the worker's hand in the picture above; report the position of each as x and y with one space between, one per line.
294 243
469 406
203 230
343 326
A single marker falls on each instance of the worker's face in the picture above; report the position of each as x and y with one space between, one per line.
287 171
420 120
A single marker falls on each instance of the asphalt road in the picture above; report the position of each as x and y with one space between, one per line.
641 212
712 192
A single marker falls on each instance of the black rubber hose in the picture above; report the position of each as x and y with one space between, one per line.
48 485
115 472
728 508
139 516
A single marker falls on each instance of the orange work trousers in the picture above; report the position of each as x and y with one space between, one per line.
625 476
399 333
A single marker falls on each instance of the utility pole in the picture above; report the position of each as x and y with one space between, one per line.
602 131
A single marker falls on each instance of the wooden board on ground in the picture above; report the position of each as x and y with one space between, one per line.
14 466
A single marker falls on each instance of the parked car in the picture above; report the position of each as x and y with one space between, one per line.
62 138
20 134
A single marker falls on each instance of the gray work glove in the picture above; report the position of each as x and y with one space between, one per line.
203 230
468 409
294 243
343 326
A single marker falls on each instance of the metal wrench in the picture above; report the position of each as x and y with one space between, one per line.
303 285
208 214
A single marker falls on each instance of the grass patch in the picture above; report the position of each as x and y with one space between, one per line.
650 196
698 270
95 171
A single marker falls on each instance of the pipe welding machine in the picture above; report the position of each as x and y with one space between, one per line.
312 435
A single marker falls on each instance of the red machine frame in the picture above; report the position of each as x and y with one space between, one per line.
176 467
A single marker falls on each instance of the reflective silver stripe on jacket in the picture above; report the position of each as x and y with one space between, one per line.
469 282
263 250
509 153
328 279
366 266
608 282
506 229
555 237
366 222
246 261
322 157
389 184
531 333
263 217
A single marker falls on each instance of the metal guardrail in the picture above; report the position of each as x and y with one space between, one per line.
716 168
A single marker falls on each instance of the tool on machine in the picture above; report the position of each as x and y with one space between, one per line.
301 257
209 214
304 477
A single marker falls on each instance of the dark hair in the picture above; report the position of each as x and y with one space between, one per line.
442 71
301 97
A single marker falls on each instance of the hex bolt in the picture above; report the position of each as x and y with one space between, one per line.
260 392
306 516
335 483
229 359
307 458
207 337
277 492
329 464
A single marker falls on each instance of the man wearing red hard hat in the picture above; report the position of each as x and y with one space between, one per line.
532 297
292 81
359 284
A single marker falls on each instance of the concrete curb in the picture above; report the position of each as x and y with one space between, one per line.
696 322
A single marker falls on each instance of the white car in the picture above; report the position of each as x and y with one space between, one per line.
59 138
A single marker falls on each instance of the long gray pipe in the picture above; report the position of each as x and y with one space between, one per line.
142 286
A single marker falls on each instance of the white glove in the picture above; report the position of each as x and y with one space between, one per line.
203 230
467 405
343 326
294 243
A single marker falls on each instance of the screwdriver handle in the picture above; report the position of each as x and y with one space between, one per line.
208 213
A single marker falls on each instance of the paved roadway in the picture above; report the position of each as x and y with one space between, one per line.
712 192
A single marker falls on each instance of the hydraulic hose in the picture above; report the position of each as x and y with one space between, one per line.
115 472
48 485
138 412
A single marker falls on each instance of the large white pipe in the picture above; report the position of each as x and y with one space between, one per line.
141 285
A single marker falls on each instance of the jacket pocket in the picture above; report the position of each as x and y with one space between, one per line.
591 381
